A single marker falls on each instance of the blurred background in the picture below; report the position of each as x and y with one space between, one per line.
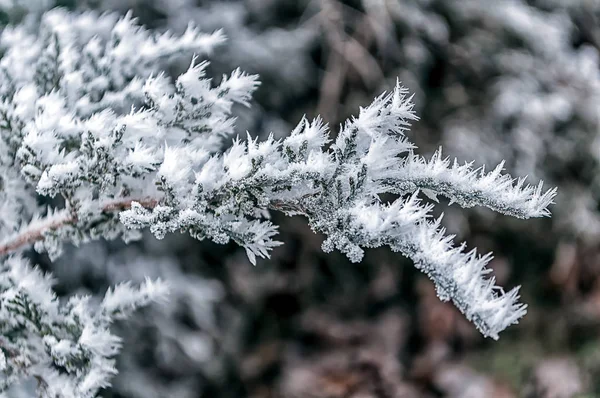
507 79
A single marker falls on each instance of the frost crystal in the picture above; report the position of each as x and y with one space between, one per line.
88 117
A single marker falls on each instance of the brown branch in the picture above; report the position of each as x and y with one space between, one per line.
29 236
346 52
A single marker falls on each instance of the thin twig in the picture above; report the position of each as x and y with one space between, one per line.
30 236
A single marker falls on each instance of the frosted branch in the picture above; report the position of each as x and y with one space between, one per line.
68 348
469 187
